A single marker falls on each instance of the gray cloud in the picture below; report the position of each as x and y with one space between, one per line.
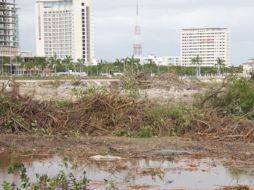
161 22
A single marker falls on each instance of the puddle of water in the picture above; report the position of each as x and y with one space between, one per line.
127 174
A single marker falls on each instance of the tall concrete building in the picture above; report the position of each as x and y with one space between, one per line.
9 41
208 43
64 29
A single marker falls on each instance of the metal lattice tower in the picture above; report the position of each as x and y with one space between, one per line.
137 46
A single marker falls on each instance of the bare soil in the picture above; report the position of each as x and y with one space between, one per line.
234 154
157 90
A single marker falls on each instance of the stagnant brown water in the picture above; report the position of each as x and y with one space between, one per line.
130 174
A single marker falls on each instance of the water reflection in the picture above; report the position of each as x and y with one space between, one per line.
128 174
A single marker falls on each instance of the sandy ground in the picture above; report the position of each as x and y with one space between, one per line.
65 89
231 153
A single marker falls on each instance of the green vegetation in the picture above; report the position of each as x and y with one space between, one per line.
235 97
98 112
197 61
40 67
176 117
63 180
146 132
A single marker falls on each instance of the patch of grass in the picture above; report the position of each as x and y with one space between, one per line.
59 103
177 117
145 132
124 133
81 91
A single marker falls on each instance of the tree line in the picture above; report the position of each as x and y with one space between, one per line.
41 65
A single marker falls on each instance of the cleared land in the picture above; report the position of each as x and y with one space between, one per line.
119 118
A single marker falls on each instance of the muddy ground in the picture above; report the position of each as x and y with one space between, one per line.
230 153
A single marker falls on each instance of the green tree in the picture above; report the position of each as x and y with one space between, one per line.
197 61
18 60
80 64
54 62
67 62
41 63
29 66
220 64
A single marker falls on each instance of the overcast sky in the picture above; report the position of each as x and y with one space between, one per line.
161 22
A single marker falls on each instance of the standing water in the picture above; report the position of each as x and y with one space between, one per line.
138 174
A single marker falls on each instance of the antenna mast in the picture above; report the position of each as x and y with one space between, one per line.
137 46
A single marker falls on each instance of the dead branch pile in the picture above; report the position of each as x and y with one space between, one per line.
96 115
105 114
239 187
167 81
211 125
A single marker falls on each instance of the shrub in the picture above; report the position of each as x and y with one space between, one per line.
236 98
179 116
62 180
145 132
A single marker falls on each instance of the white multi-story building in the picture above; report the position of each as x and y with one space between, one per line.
161 61
248 67
207 43
9 42
64 29
168 60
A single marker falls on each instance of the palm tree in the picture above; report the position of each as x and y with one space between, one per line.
28 66
119 64
67 62
220 64
53 62
40 63
197 61
80 63
18 60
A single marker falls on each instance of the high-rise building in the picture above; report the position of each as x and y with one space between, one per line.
64 29
207 43
9 41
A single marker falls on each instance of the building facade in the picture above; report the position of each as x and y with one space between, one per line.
9 41
64 29
207 43
248 67
161 60
168 60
